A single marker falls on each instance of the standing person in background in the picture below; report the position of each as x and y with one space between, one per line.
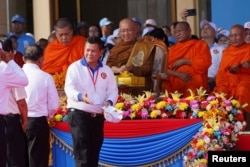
106 27
18 26
95 30
18 56
89 86
11 75
63 51
42 43
43 101
82 29
188 62
223 37
15 120
247 29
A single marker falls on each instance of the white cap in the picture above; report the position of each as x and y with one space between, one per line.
247 25
151 22
146 30
223 32
111 114
204 22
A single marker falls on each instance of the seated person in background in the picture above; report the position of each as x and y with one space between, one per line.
233 76
63 51
132 55
188 62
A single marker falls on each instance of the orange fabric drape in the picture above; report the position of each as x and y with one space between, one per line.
58 57
197 51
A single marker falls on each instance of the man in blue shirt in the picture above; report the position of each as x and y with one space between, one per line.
23 40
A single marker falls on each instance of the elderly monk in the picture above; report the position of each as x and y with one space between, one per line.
233 76
131 55
188 62
60 53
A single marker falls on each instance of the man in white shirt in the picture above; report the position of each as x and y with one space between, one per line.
89 86
43 101
11 75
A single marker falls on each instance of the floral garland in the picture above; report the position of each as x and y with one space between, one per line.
222 118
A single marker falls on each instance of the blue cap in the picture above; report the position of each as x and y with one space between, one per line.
82 24
17 18
137 20
104 22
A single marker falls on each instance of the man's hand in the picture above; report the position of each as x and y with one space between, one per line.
234 69
184 14
184 76
86 99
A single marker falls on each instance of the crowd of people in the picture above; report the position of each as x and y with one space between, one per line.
168 58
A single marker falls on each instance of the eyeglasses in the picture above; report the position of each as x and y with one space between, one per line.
126 30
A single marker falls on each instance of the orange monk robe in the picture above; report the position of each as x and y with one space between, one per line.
197 51
234 85
57 57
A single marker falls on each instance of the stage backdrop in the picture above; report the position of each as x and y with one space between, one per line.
133 143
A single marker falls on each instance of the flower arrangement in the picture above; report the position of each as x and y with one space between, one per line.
222 118
59 78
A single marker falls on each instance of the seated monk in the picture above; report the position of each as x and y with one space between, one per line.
135 56
60 53
233 77
188 62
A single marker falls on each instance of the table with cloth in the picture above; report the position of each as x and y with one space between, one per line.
153 142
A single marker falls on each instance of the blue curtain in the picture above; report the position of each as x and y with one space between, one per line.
155 150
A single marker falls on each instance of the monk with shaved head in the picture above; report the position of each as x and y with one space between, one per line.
188 62
132 55
233 76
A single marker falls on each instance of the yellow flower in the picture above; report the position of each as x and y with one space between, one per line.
200 114
135 107
119 106
235 103
200 143
132 115
154 113
161 105
183 106
209 130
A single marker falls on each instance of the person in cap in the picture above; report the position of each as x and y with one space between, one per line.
223 37
18 29
150 23
188 62
138 26
233 77
247 29
90 86
106 27
82 29
11 75
63 51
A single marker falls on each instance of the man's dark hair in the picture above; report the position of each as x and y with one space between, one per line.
62 23
96 40
33 53
7 45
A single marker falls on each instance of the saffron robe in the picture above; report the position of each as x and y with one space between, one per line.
58 57
197 51
235 85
